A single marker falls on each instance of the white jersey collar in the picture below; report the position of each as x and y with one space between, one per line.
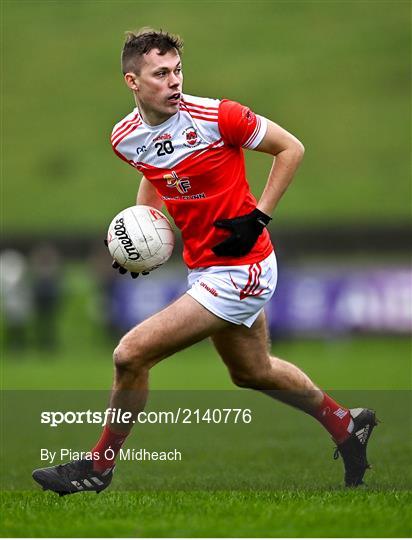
163 125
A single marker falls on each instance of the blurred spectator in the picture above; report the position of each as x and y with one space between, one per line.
17 301
47 291
104 278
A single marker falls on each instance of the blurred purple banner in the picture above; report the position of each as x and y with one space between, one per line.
310 301
337 301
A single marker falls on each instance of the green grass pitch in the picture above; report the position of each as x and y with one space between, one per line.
203 514
278 480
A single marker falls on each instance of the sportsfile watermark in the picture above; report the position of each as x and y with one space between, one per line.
125 454
197 440
178 416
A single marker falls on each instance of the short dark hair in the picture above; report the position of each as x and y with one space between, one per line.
143 41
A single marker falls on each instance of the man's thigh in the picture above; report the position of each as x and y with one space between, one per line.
176 327
243 349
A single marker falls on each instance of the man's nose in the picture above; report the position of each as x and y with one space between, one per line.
173 80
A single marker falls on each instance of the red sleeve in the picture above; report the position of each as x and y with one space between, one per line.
239 126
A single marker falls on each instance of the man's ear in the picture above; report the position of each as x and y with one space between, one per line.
131 80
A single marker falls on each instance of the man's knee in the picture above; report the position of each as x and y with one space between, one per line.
128 358
254 377
241 379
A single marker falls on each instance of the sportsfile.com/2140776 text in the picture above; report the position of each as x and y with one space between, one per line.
180 415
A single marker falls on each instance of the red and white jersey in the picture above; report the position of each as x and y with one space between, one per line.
195 161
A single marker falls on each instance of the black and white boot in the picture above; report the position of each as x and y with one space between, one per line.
73 477
353 450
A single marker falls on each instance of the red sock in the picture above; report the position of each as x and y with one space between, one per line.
107 448
335 418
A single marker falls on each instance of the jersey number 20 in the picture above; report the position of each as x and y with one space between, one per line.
164 147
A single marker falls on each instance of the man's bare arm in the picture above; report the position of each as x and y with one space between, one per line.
148 195
288 152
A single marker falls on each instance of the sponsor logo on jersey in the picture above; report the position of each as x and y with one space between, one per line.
141 149
163 137
174 181
124 239
184 197
191 137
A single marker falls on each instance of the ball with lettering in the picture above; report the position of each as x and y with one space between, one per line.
140 238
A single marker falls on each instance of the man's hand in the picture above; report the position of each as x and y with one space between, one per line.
245 231
123 270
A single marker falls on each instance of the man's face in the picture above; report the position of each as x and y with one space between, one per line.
159 83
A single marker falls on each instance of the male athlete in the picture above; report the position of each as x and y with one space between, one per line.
189 150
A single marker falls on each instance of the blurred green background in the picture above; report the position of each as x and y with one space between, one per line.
336 74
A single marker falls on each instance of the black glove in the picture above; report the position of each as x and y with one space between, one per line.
245 231
123 270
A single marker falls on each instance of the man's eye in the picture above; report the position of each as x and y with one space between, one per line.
178 70
161 73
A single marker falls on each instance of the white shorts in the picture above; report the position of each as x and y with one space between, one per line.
235 293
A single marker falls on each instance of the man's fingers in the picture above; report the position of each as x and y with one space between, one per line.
123 270
226 247
223 224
